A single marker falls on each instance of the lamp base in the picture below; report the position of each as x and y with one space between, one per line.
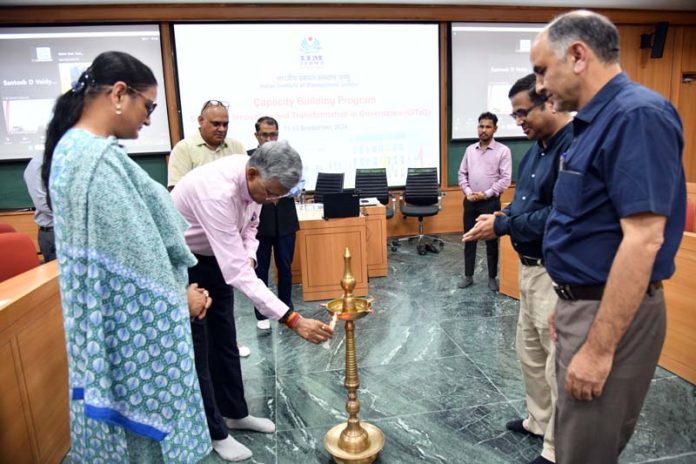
376 440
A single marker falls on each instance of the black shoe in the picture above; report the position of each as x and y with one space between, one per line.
467 281
516 426
493 284
541 460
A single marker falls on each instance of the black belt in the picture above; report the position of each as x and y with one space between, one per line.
592 292
46 229
527 261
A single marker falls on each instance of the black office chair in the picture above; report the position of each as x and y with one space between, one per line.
327 182
421 198
373 183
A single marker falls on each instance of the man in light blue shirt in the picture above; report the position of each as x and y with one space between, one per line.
43 216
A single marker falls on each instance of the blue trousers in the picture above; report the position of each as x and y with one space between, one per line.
215 349
283 251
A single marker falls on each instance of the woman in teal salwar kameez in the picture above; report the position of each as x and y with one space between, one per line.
123 263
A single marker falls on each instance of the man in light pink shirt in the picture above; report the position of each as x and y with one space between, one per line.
221 201
485 173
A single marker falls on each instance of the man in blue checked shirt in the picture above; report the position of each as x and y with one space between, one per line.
524 220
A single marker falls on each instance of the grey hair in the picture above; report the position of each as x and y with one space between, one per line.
278 160
597 31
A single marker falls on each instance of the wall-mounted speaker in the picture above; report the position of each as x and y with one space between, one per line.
658 46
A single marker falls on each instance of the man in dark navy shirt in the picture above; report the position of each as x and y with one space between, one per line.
524 220
617 219
278 224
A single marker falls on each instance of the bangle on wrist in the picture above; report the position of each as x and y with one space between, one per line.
293 319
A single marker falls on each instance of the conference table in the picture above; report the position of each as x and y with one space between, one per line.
318 262
34 424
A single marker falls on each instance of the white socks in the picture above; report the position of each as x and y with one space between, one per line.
230 449
257 424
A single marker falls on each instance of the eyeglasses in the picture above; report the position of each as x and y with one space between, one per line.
149 104
210 103
274 197
268 135
523 112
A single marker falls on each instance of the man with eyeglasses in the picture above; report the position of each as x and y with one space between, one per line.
277 227
221 201
524 221
485 173
208 144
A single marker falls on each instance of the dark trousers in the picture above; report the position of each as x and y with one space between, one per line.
283 252
47 244
472 210
215 348
597 431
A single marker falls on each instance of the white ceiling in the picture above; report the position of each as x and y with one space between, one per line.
629 4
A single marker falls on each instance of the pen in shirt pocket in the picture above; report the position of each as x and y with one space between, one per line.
562 162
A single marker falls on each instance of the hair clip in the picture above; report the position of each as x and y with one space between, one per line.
77 86
83 81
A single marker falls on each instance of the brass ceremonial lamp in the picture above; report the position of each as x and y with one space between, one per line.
353 441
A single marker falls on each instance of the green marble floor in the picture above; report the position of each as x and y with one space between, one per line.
438 373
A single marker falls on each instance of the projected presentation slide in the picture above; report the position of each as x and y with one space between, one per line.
40 63
346 96
486 60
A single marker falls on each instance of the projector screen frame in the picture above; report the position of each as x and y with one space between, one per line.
161 73
506 134
439 54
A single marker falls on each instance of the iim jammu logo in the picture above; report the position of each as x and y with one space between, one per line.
311 52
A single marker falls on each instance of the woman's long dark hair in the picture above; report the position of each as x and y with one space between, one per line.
106 69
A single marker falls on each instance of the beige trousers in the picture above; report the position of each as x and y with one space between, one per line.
597 431
536 352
